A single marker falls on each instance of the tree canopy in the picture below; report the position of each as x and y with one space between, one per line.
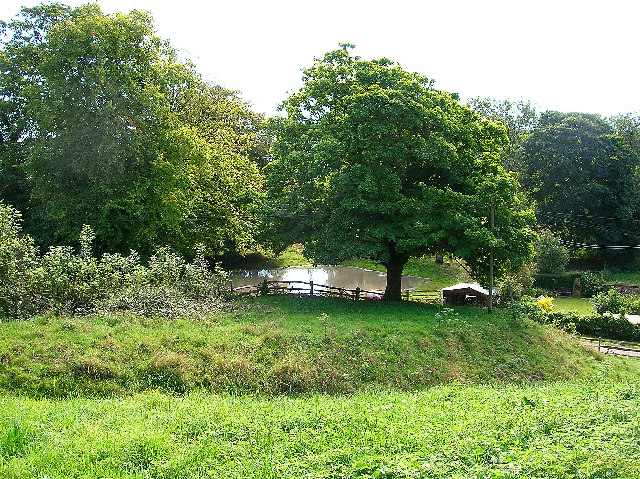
371 161
582 177
109 128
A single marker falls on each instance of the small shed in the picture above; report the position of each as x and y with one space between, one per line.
469 294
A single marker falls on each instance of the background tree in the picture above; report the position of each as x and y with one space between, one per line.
582 176
518 117
627 126
371 161
551 256
98 107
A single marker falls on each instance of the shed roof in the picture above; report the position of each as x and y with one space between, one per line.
469 286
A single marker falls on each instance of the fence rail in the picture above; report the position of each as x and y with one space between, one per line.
309 288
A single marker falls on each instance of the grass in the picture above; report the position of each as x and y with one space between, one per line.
587 429
313 387
580 305
286 345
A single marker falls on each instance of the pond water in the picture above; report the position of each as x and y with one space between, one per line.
348 277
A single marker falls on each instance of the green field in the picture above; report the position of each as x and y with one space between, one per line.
580 305
313 387
589 429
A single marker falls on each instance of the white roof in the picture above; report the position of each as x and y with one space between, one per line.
473 286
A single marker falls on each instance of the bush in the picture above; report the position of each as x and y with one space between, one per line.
595 325
611 301
64 281
550 256
546 303
18 259
592 283
552 282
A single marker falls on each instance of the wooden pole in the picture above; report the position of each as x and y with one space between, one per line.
493 204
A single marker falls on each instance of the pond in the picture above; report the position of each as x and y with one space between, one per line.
347 277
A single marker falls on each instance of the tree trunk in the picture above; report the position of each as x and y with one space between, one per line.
394 275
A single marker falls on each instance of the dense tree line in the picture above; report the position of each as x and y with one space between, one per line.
101 124
580 169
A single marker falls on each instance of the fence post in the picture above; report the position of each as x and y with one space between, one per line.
407 295
357 293
231 286
311 285
264 291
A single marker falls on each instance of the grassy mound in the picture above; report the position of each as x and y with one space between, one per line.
286 345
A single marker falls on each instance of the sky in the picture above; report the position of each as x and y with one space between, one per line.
562 55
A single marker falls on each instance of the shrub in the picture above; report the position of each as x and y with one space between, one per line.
611 301
592 283
596 325
545 303
552 282
550 256
18 259
64 281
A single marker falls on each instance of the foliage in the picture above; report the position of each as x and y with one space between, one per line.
372 162
591 283
18 258
627 126
552 282
545 303
518 117
515 285
550 255
595 325
113 131
67 282
582 176
611 301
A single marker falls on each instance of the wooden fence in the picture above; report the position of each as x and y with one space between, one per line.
309 288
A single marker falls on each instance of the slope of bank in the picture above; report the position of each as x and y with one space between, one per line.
285 345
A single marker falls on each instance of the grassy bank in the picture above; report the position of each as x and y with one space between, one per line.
589 429
285 345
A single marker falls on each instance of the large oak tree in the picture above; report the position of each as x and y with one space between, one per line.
371 161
